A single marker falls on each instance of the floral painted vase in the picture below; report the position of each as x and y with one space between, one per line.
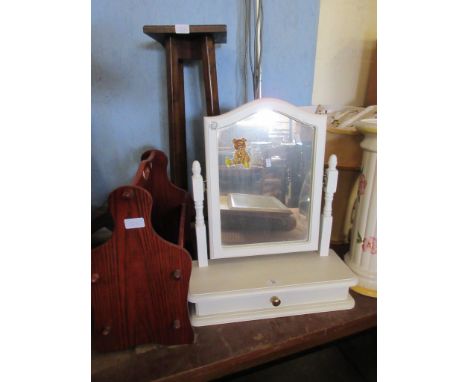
362 256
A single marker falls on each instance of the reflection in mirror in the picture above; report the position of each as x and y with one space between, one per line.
265 164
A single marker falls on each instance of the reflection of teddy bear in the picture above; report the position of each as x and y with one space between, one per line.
240 155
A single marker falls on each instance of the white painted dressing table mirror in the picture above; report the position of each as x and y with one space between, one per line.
264 165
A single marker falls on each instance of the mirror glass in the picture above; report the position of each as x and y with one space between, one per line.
265 165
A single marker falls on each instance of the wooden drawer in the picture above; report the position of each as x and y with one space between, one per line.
269 299
242 289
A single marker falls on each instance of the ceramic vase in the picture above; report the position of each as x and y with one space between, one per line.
362 256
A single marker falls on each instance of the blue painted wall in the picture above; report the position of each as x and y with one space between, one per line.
129 101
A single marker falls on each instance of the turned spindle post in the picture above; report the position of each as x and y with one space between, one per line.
331 176
200 228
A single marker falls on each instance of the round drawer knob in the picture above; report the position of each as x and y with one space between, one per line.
275 301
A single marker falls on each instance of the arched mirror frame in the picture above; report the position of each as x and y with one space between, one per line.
211 127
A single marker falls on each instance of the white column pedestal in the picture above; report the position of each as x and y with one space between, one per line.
362 257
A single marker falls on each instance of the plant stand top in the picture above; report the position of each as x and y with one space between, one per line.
161 32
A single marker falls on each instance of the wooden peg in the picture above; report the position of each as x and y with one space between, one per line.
127 194
177 274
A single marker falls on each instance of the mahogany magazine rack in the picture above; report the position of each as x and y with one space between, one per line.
140 276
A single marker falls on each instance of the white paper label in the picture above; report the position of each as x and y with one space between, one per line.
182 28
134 223
268 162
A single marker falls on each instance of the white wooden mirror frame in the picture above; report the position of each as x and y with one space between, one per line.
212 126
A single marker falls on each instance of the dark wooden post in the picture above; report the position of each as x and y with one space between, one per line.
198 44
209 76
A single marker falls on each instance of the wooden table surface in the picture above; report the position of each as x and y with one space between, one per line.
225 349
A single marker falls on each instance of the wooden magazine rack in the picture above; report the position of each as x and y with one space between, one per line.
140 276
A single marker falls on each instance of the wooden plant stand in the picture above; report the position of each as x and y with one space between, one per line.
182 43
139 279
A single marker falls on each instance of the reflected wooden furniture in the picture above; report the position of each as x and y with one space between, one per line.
196 44
288 227
140 275
225 349
346 145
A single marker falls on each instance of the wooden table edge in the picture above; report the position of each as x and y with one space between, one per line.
280 350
